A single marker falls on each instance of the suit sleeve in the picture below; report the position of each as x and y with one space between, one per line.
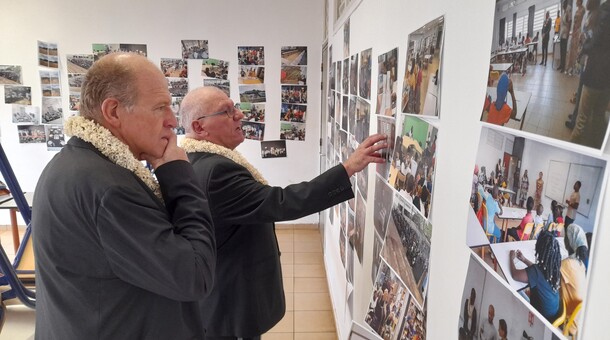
171 253
238 198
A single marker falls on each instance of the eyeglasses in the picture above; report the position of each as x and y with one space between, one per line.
230 113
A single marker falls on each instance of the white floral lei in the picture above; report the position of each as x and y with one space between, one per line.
111 147
193 145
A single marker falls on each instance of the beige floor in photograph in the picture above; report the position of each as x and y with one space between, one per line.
309 312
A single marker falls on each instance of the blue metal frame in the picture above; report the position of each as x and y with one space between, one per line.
17 290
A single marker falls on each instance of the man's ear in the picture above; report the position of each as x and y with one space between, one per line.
110 112
198 128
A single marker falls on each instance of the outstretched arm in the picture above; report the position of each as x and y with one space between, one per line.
365 154
518 274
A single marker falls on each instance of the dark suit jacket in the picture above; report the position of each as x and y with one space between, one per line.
112 262
248 295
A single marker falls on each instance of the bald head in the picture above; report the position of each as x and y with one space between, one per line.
113 76
198 103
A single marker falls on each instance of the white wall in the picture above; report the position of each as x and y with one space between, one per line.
75 25
469 25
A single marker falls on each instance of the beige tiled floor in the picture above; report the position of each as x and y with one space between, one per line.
309 313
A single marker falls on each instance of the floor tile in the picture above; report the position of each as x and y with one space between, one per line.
310 285
315 336
312 301
314 321
307 246
308 258
285 325
309 270
278 336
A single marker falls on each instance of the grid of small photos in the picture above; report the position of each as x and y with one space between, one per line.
252 95
293 79
404 183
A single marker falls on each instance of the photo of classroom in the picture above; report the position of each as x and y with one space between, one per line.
420 93
534 208
548 70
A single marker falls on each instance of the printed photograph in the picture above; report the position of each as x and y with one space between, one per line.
253 130
388 302
10 74
345 113
175 105
294 75
17 94
353 75
414 322
364 74
251 74
55 138
292 131
345 77
552 83
331 77
74 101
338 77
100 50
252 93
223 85
79 63
140 49
174 67
178 87
346 41
31 134
26 114
381 205
274 149
195 49
377 244
52 112
215 68
386 83
362 115
293 113
52 90
75 81
386 126
294 55
253 112
48 77
420 94
250 55
342 243
296 95
356 235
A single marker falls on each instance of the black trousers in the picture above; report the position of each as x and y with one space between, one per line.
545 51
563 50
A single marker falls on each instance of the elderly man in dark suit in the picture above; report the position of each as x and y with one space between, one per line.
248 296
120 254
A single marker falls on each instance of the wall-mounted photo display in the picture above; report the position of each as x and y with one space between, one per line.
74 101
47 54
195 49
421 85
293 113
552 85
253 112
386 83
52 111
174 67
100 49
346 41
55 138
294 55
353 75
253 130
364 74
345 77
75 81
252 93
342 243
489 310
349 258
412 165
273 149
224 85
293 75
351 115
297 95
48 77
413 325
178 87
249 74
534 212
338 76
250 55
292 131
10 74
79 63
17 94
362 115
50 90
26 114
356 235
216 69
31 134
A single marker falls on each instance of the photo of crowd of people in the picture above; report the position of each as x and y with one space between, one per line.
31 134
388 303
79 63
414 322
174 67
406 246
490 311
564 94
54 137
295 94
100 50
195 49
539 225
364 74
420 93
292 131
293 113
253 112
293 75
178 87
215 68
51 111
23 114
75 81
47 54
250 55
10 74
273 149
413 162
294 55
386 83
17 94
224 85
253 130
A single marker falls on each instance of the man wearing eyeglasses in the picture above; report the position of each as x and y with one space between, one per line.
248 295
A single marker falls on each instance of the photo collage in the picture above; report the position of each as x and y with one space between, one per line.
252 95
293 79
